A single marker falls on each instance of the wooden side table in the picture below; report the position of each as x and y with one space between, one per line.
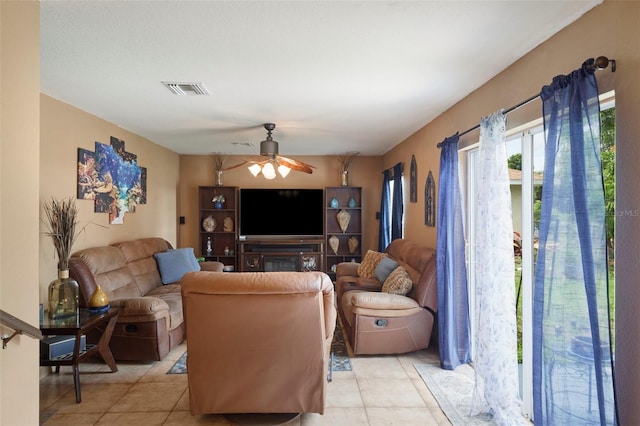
77 326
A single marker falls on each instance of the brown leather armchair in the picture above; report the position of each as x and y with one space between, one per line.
258 342
381 323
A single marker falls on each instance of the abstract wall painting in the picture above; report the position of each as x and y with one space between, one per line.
112 178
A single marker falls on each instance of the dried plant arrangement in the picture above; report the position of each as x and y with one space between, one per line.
346 160
61 222
220 161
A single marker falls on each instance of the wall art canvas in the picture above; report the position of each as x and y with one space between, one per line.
112 178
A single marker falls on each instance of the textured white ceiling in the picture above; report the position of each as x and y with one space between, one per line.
334 76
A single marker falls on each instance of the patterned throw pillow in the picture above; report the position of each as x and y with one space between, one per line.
369 263
398 282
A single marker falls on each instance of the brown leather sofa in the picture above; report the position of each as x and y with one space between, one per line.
150 322
382 323
258 342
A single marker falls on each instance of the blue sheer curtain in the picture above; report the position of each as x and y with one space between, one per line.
384 231
391 207
572 356
453 303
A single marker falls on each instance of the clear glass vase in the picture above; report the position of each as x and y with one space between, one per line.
63 296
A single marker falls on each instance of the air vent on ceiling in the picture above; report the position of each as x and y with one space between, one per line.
187 89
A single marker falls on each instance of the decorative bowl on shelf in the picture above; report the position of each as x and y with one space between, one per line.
100 309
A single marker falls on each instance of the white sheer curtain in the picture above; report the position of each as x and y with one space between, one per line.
496 368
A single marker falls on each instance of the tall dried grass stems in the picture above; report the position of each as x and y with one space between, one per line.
220 161
61 222
346 160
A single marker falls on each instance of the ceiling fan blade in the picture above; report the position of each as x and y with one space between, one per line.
235 166
296 165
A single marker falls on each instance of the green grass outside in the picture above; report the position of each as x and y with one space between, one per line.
612 303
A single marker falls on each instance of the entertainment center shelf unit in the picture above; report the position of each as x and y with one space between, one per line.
221 228
281 255
346 199
218 226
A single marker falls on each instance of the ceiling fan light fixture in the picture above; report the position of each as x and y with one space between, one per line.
283 170
268 171
255 169
273 161
269 148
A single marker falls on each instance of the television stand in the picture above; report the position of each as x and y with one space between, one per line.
281 255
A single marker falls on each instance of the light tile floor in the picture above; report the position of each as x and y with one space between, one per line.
380 390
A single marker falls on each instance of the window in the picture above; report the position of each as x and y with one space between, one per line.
392 207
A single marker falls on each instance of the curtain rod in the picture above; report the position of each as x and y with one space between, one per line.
392 167
600 63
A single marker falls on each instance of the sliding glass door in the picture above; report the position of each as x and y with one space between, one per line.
526 166
525 151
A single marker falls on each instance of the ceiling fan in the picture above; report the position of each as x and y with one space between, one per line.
274 161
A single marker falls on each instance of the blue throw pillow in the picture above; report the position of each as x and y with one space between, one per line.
384 268
173 264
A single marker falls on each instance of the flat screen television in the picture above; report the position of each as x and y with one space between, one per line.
281 213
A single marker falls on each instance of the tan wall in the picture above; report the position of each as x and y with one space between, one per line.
63 130
199 171
613 30
19 179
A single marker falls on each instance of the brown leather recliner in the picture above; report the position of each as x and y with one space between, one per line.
258 342
381 323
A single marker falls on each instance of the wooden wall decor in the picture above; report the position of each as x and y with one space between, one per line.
413 181
430 201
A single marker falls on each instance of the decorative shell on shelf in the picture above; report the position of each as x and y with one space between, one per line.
353 244
343 217
209 224
334 243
